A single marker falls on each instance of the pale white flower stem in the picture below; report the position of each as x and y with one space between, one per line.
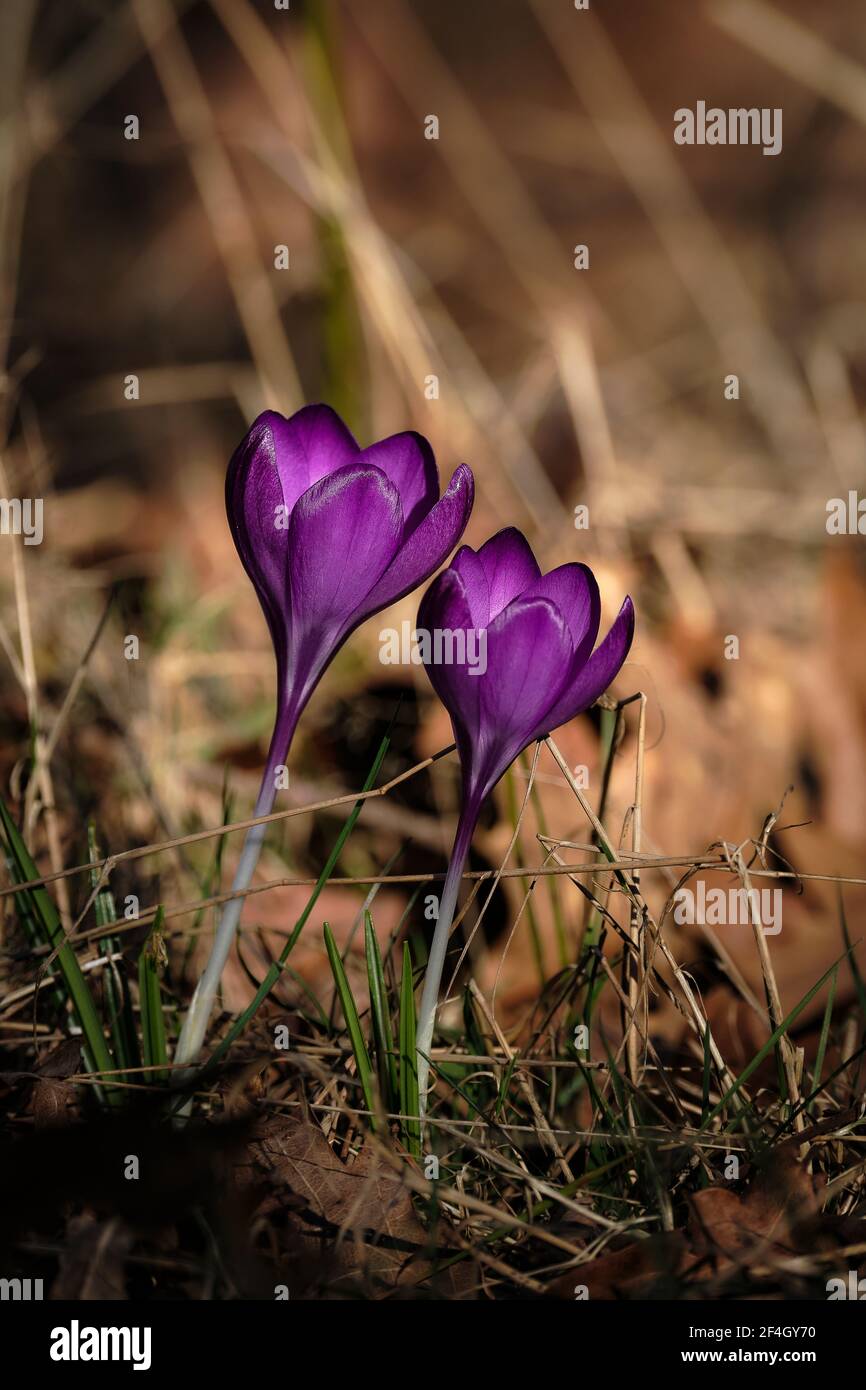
439 947
195 1024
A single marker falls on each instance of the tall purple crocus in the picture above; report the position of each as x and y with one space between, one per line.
537 634
329 533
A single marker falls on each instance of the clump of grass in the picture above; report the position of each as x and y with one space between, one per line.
538 1133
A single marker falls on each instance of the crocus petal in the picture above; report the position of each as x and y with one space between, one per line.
254 498
446 603
308 446
408 461
426 548
510 567
588 682
343 534
468 564
529 653
574 590
446 606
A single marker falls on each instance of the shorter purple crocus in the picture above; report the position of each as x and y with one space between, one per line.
538 633
329 533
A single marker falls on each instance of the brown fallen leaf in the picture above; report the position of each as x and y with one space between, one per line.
52 1102
724 1228
781 1198
54 1098
352 1218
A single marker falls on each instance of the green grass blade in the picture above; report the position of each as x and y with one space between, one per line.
409 1105
504 1087
150 1002
822 1041
607 738
708 1072
276 969
50 928
844 1065
353 1023
51 983
381 1015
849 950
525 883
118 998
103 906
618 1083
768 1045
552 879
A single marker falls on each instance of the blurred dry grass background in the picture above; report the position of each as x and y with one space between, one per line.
410 258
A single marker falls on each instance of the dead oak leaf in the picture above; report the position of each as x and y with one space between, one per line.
354 1218
770 1211
775 1214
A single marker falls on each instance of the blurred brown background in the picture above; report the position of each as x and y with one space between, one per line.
411 258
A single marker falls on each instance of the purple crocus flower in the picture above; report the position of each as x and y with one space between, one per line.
536 633
329 533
